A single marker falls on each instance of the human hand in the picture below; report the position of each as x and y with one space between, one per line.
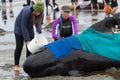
27 42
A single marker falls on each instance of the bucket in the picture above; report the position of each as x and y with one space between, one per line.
36 43
107 9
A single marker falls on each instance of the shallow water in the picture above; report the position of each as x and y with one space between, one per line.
7 44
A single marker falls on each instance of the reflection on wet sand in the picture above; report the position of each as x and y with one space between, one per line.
4 15
1 30
4 11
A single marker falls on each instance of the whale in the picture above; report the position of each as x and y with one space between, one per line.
78 62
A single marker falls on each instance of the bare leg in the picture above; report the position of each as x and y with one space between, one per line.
74 9
10 3
76 3
4 4
92 7
98 7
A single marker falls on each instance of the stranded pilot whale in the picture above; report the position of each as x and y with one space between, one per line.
96 48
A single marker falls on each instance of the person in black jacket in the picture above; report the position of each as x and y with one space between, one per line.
24 31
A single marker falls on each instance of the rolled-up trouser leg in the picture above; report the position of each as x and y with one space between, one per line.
38 62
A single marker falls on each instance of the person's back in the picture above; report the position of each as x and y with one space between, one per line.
22 15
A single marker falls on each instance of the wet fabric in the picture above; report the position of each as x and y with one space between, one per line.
64 47
96 42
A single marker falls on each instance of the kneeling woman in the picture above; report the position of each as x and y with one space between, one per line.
101 46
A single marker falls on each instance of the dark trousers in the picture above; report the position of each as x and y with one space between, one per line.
48 4
54 3
28 2
4 1
18 49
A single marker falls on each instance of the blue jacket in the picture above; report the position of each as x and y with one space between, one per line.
24 25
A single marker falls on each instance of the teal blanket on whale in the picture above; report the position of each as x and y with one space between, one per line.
104 44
